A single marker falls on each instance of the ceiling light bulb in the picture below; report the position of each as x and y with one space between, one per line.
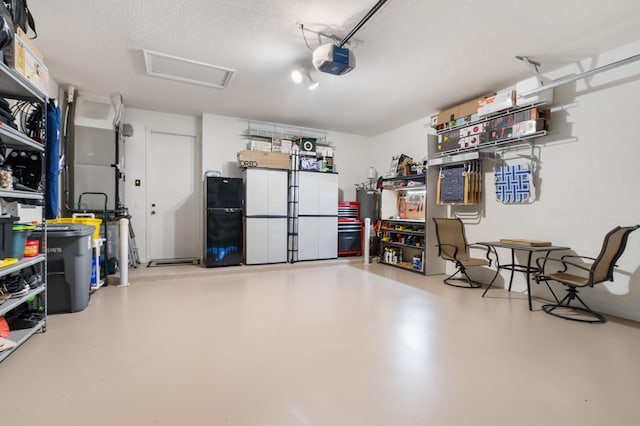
296 76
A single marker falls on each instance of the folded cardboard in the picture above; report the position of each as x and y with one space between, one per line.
269 160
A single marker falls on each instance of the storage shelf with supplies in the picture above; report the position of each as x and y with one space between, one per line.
493 131
14 86
402 229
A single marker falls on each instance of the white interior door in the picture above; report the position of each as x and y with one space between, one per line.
173 196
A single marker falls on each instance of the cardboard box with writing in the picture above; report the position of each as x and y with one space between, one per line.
268 160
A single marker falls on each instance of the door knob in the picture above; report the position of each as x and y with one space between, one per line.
153 205
153 212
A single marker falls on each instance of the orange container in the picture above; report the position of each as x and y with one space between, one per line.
32 248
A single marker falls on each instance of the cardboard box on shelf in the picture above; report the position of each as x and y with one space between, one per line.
19 56
458 114
281 145
446 116
268 160
528 127
501 100
448 142
468 108
259 145
30 43
414 205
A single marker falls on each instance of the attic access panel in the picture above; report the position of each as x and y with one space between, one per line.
186 70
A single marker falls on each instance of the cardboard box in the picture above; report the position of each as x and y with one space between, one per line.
465 112
448 142
528 127
281 145
446 116
501 100
468 108
268 160
259 145
26 62
414 206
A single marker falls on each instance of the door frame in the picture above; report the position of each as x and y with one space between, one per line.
149 130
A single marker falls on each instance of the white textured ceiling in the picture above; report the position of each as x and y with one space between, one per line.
417 56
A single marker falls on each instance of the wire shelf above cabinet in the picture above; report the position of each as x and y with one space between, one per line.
268 131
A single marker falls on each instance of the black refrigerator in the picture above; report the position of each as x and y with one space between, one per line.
224 199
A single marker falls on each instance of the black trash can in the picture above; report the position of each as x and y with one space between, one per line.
69 257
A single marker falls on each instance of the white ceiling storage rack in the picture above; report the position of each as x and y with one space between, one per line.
268 131
487 149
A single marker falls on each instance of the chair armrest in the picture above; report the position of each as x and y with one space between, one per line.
541 261
490 249
578 257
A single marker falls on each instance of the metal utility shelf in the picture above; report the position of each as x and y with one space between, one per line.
21 336
492 116
459 158
389 243
413 221
14 139
25 262
285 132
487 147
405 266
22 194
405 188
13 303
15 86
404 232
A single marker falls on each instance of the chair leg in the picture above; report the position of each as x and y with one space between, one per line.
492 281
469 282
572 294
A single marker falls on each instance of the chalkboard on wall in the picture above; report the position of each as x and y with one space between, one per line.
452 184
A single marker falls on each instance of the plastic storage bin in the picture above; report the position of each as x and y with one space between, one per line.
81 220
6 235
19 241
68 266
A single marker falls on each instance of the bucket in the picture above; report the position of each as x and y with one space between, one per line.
32 248
20 233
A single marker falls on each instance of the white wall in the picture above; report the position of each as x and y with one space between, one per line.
222 139
587 174
410 139
135 161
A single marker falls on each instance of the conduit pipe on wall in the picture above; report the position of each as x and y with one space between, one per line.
585 74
